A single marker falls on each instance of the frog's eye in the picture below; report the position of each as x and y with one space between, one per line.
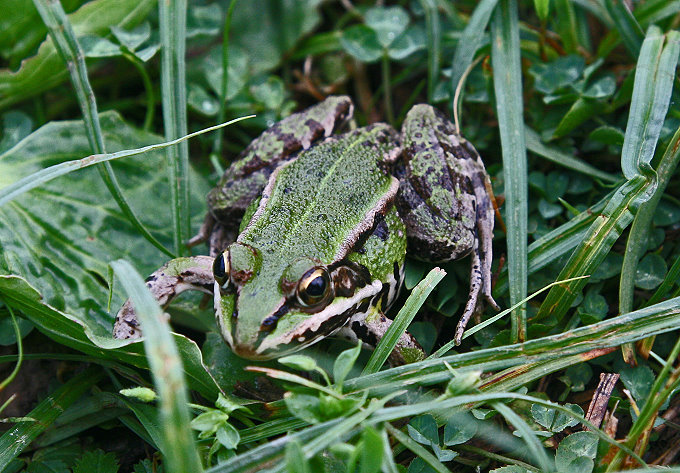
314 288
221 269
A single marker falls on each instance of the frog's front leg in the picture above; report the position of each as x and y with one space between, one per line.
444 201
175 277
371 329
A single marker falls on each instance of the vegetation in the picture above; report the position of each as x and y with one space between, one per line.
573 106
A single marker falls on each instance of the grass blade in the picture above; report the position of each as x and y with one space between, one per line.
217 146
406 314
64 38
535 145
651 97
36 179
16 439
636 244
470 41
626 24
434 40
630 327
178 445
556 243
172 22
654 76
508 91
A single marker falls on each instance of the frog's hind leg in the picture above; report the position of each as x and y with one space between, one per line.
480 265
175 277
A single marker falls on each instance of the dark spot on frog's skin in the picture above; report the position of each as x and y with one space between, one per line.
363 307
151 278
381 230
361 251
234 314
287 190
270 322
363 334
241 277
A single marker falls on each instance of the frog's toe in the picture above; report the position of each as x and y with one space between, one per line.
126 325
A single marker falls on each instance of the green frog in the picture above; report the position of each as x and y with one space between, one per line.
326 221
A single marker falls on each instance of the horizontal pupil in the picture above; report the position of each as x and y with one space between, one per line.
316 287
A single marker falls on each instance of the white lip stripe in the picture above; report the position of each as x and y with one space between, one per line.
226 334
315 320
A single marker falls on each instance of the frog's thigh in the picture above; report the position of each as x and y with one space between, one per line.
175 277
441 226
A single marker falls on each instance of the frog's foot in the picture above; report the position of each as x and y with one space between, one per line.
204 232
480 281
371 330
178 275
215 233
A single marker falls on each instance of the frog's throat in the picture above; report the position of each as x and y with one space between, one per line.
308 332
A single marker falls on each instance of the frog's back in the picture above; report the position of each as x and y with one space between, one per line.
320 204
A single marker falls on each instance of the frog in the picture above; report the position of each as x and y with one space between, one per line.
309 229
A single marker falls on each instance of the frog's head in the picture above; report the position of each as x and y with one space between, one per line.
266 309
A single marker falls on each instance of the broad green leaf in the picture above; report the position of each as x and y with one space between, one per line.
580 111
542 8
559 73
372 451
93 338
387 22
361 42
412 40
97 47
134 38
70 275
204 20
601 88
46 69
344 363
268 30
572 448
299 362
423 429
237 71
296 462
667 213
638 380
608 135
228 436
650 272
96 462
459 429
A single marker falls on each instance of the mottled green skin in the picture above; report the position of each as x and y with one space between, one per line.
336 206
248 174
312 210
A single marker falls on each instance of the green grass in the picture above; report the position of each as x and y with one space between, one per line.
106 155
